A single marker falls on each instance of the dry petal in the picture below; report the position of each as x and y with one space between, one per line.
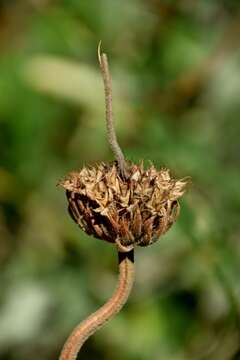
132 211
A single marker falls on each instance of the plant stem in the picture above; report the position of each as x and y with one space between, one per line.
96 320
111 134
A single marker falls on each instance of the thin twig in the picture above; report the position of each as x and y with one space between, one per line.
95 321
111 134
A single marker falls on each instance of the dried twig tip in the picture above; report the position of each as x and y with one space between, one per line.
99 52
111 134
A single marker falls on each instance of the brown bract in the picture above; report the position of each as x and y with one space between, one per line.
132 211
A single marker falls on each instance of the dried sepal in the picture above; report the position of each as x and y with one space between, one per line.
132 211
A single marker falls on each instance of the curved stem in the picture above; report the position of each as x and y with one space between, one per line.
96 320
111 134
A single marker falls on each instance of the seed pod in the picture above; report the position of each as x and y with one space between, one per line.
132 211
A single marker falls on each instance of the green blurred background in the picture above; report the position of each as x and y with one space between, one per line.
176 79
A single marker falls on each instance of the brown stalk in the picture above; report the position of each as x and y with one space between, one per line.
111 134
125 254
96 320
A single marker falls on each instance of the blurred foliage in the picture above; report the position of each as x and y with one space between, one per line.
176 77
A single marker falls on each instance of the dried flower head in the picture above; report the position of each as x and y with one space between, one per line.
121 203
132 211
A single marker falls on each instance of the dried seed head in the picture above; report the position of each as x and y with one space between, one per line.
132 211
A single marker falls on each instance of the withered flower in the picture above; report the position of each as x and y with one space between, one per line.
130 211
124 204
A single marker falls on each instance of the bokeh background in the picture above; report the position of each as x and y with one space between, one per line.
176 79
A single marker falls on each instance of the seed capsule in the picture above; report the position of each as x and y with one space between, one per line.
132 211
